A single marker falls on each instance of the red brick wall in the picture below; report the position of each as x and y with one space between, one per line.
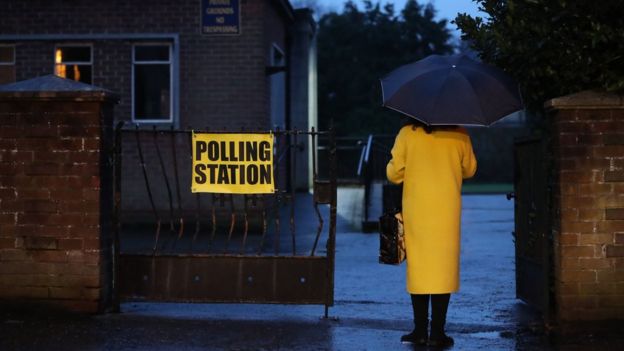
222 78
588 226
55 202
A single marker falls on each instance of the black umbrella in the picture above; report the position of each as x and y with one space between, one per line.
447 90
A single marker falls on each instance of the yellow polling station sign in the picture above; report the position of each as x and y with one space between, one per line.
232 163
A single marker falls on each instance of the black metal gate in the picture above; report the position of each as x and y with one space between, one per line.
174 245
532 234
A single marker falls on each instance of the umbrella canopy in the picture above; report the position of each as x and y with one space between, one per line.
454 89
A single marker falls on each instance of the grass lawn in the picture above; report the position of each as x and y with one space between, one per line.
487 188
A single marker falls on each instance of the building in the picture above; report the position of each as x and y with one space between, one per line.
192 63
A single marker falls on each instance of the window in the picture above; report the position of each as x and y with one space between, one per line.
277 56
277 87
7 64
152 83
73 62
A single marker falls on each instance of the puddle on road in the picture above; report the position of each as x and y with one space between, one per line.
492 335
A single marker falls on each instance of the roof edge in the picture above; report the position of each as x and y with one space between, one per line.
51 87
78 96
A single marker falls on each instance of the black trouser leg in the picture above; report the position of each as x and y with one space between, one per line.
439 307
420 305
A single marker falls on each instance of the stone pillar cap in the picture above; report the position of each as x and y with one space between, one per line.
51 87
588 99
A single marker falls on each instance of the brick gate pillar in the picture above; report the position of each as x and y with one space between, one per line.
588 200
55 194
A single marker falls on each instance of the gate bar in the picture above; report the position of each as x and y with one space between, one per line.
246 199
149 190
331 241
319 229
232 221
177 183
277 195
213 215
293 156
164 172
264 224
277 131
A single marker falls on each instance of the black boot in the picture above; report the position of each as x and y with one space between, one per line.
439 339
439 307
420 306
417 337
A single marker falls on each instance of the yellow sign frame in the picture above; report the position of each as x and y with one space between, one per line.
232 163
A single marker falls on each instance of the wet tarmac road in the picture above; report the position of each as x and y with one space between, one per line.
371 309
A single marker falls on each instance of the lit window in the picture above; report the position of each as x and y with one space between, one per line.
7 64
152 83
73 62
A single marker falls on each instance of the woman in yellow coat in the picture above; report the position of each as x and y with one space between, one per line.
431 162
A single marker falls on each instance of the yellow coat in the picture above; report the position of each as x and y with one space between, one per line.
432 167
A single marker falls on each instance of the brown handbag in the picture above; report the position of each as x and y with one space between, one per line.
391 238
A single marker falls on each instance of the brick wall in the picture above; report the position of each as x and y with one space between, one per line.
55 200
588 145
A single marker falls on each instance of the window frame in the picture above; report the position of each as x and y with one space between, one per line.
84 63
169 62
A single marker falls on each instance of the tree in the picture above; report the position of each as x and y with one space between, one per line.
356 48
551 47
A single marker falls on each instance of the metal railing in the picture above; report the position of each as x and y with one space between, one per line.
154 181
160 224
348 154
